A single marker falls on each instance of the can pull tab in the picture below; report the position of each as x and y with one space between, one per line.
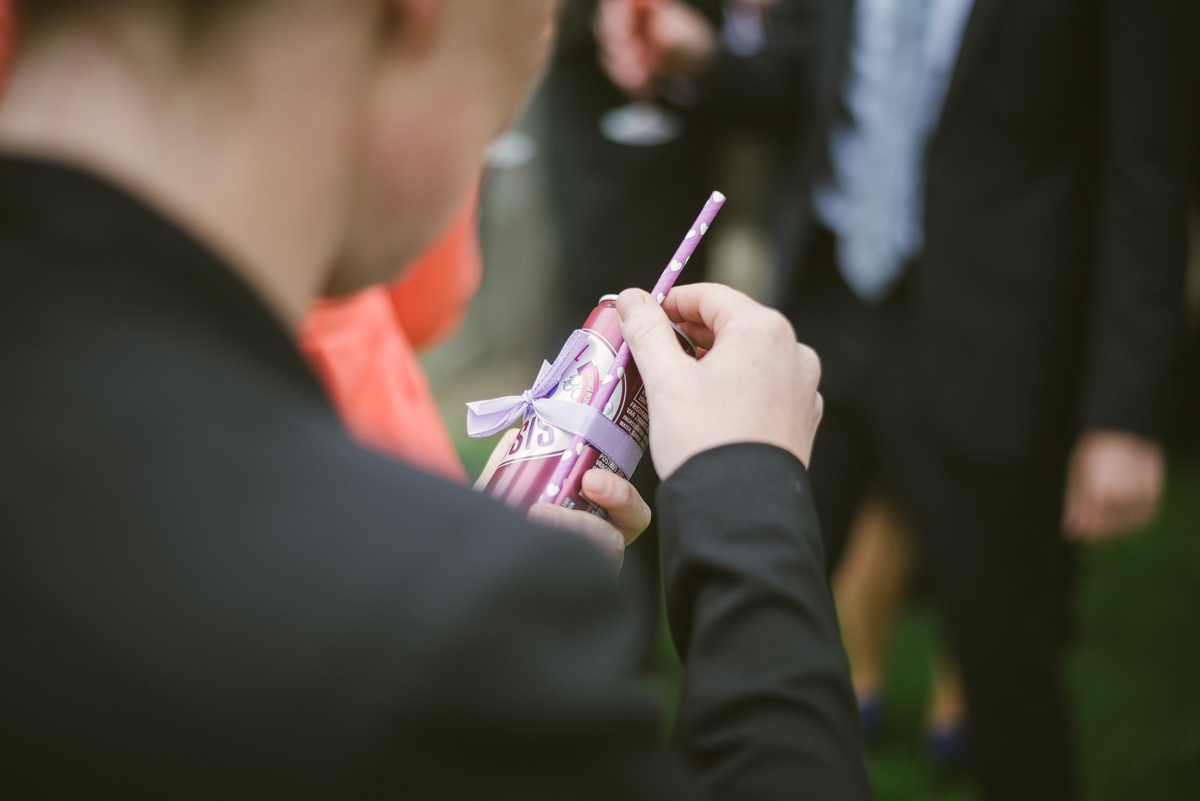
686 341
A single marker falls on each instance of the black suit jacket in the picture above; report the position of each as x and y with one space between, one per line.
1028 319
1150 181
208 590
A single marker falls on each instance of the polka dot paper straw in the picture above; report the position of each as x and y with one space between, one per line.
555 490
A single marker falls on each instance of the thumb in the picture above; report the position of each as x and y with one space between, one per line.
646 329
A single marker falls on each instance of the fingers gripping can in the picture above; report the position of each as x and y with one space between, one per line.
539 447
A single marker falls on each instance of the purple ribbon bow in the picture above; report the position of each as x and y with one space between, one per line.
488 417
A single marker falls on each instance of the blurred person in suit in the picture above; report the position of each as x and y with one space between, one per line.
995 360
209 589
743 87
649 189
622 206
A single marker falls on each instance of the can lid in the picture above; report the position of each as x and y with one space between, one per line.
608 298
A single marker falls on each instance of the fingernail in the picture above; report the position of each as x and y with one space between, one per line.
629 300
596 480
536 515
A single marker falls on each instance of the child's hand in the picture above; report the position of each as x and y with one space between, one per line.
755 384
628 514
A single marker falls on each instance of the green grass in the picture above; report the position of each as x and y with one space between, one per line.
898 769
1134 670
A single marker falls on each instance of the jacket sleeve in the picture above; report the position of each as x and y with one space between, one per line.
531 692
767 710
1137 312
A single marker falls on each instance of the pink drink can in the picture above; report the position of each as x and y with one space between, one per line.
522 476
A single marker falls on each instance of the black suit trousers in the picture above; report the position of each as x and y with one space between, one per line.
988 534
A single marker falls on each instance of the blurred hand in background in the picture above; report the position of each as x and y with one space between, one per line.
1114 485
643 40
625 47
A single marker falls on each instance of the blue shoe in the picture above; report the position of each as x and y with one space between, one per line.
946 748
870 717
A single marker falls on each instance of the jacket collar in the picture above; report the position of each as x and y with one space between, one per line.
982 23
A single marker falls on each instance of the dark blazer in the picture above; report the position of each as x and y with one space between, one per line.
1152 170
587 93
1189 408
1027 322
1148 162
208 590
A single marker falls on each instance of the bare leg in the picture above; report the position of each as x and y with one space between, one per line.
869 587
945 721
947 703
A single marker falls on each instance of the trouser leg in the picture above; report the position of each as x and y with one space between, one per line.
1000 571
